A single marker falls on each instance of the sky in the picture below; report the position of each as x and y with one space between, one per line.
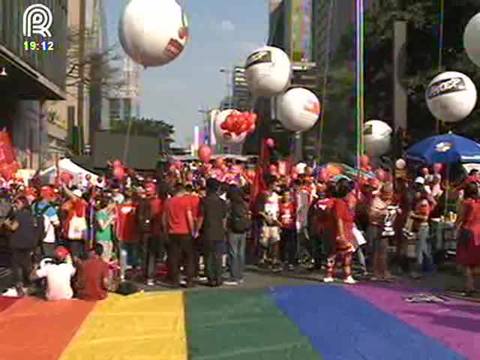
223 33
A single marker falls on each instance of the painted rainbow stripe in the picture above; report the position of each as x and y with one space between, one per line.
303 322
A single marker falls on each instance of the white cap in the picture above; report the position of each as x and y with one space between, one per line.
420 180
77 193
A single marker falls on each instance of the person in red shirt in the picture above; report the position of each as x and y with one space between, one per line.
179 223
92 278
75 225
156 238
127 234
288 212
342 248
468 244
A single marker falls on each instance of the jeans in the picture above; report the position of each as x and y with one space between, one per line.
236 255
214 255
423 248
77 248
21 266
154 252
128 256
181 247
289 238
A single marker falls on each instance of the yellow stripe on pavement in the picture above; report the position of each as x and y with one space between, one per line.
141 326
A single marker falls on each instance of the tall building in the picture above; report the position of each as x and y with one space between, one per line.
73 122
32 73
124 103
240 92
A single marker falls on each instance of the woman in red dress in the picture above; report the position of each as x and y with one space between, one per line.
468 240
342 247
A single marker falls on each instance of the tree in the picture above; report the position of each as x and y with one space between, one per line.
423 22
106 75
144 127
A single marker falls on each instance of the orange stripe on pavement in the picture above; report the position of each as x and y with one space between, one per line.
40 330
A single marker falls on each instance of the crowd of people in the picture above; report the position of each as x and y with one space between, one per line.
200 222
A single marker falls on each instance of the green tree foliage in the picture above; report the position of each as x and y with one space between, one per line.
423 24
144 127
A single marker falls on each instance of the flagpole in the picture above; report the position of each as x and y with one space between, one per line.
360 78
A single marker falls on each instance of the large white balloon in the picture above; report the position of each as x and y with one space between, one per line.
471 39
225 137
377 137
268 71
451 96
153 32
298 109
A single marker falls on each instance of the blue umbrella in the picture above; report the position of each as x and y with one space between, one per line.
445 149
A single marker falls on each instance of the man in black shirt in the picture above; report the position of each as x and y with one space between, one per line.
212 223
23 240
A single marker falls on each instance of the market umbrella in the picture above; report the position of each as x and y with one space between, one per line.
445 149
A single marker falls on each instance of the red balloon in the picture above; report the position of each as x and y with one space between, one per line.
205 153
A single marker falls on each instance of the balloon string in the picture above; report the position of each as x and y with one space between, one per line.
440 48
325 76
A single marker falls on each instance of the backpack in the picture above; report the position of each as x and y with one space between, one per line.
39 222
239 220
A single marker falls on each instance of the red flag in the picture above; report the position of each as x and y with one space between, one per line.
259 184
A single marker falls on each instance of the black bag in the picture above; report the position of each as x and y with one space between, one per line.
39 222
239 220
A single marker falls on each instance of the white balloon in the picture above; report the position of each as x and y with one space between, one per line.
471 39
153 32
225 137
377 137
267 71
298 109
451 96
400 164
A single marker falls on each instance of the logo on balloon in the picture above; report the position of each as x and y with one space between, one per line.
313 107
446 86
259 57
443 147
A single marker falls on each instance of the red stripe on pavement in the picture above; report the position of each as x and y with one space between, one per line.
34 326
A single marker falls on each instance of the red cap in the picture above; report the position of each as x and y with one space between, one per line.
61 253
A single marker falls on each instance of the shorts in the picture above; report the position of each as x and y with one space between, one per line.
269 235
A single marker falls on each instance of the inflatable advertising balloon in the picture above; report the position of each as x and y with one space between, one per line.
153 32
232 126
205 153
471 39
267 71
377 136
451 96
298 109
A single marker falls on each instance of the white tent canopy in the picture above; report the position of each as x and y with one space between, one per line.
68 166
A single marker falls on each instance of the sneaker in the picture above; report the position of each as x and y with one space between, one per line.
328 279
350 280
231 283
150 282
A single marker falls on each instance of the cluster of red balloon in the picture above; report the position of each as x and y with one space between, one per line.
8 164
239 122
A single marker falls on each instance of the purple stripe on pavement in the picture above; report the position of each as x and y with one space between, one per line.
455 323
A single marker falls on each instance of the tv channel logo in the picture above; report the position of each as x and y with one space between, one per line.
37 19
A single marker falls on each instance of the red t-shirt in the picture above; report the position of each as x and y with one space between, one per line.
127 227
90 279
176 209
287 215
195 204
156 207
324 216
341 210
